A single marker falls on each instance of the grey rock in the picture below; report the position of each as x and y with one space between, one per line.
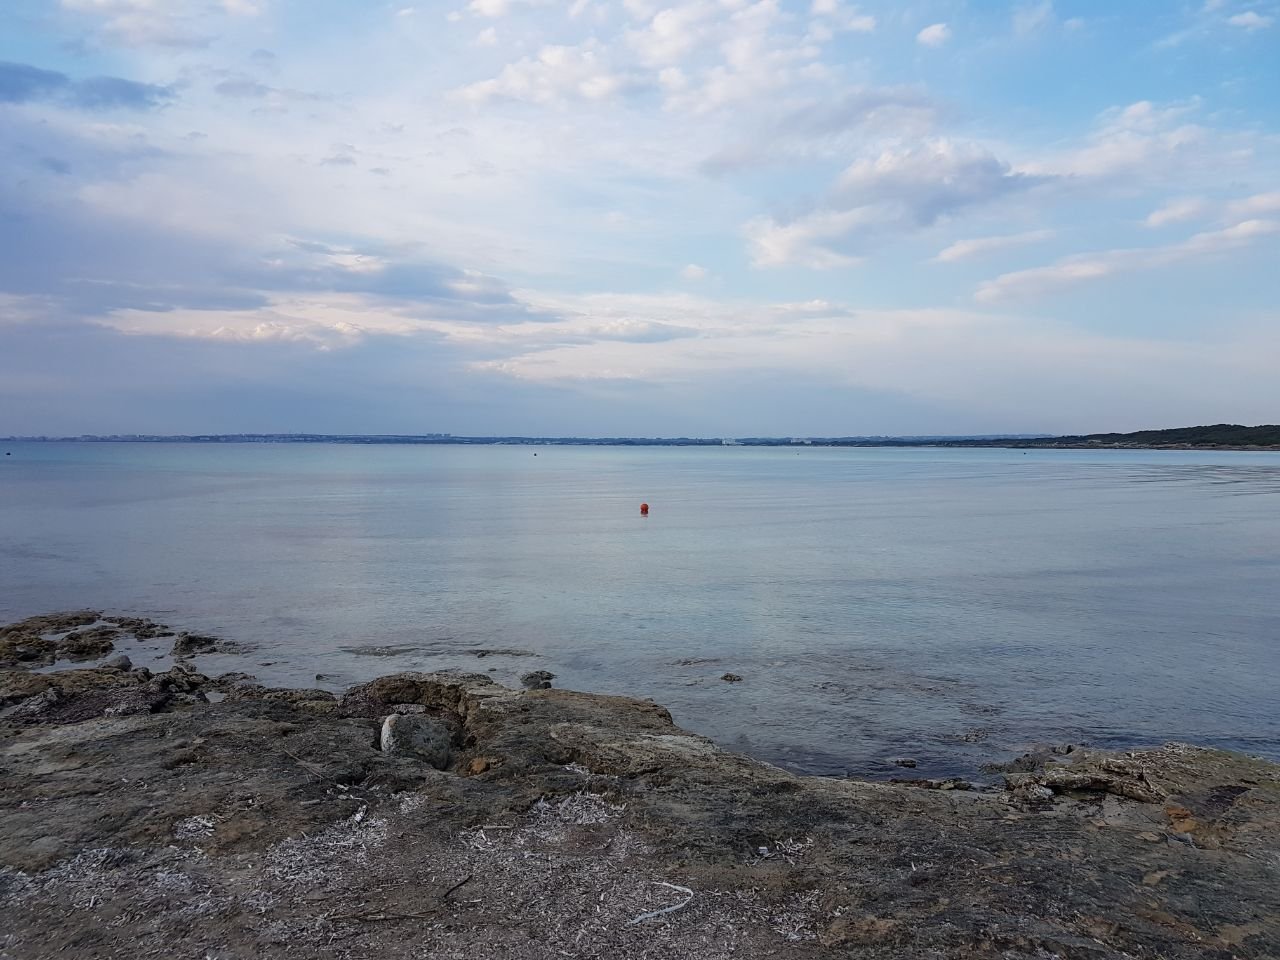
118 662
537 680
949 783
411 735
731 678
189 644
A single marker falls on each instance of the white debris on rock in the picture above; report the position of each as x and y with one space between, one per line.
310 861
194 828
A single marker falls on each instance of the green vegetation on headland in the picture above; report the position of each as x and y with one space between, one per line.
1218 436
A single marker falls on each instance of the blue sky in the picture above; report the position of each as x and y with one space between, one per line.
706 217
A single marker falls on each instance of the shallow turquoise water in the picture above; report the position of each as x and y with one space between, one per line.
877 602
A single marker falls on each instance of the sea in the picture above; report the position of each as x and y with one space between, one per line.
952 606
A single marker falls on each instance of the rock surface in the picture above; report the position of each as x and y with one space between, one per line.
137 819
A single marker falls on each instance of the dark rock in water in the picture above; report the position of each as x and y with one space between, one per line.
87 644
903 762
118 662
141 628
500 652
413 735
27 651
1033 761
537 680
51 623
976 735
731 678
189 644
381 650
34 642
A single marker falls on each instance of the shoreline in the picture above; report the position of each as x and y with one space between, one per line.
174 814
785 444
974 749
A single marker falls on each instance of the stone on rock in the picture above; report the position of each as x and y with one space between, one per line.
118 662
411 735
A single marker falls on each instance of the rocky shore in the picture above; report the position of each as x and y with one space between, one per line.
173 814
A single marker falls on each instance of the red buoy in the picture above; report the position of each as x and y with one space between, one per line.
644 509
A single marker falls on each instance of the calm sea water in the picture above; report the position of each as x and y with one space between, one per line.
954 606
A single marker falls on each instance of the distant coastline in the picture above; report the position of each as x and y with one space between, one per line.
1215 437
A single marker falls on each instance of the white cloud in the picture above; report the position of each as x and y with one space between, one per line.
1031 17
640 9
1141 139
1093 266
693 273
1178 211
489 8
985 364
166 23
934 35
1198 208
554 75
980 246
805 241
488 37
929 179
329 322
675 32
839 17
711 54
899 190
1260 204
1251 20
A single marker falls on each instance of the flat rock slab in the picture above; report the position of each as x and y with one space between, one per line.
564 824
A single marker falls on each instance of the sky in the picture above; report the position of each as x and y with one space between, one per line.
646 217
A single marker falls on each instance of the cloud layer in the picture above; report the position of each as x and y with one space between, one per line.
736 216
